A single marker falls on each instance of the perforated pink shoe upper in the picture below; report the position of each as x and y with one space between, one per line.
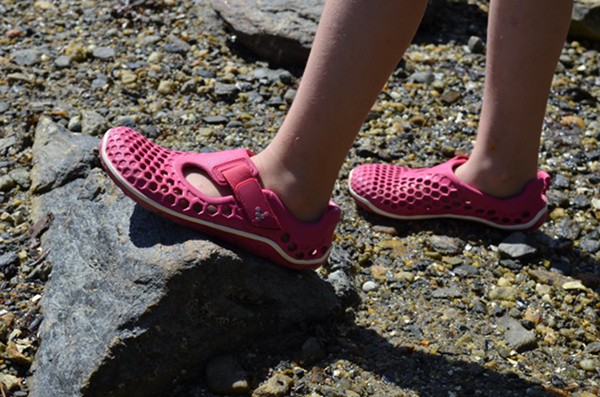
405 193
251 217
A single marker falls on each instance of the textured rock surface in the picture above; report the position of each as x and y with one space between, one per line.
273 29
134 299
59 156
280 31
585 21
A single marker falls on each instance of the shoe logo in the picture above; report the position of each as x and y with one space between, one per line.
259 216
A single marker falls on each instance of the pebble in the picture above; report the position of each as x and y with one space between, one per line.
215 120
62 61
574 286
450 96
476 45
447 293
593 348
517 336
4 107
75 123
6 183
176 45
27 57
369 286
277 385
588 365
503 293
515 246
224 375
422 77
166 87
446 245
92 123
104 53
9 381
8 259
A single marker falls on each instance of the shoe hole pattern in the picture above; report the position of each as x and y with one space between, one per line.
146 166
412 192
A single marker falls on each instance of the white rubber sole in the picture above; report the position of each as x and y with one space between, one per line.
379 211
132 190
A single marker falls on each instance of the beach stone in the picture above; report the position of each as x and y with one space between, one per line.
59 156
447 293
476 45
27 57
225 375
63 61
369 286
273 29
585 20
134 299
517 336
422 77
446 245
515 246
92 123
103 53
276 386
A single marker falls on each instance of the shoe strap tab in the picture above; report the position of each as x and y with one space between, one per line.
250 196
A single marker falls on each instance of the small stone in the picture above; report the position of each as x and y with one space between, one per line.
10 381
532 315
8 259
4 107
422 77
224 375
43 5
369 286
62 61
312 351
447 293
385 229
574 286
225 91
341 283
92 123
476 45
404 276
517 336
581 201
128 77
13 33
155 57
21 177
76 52
515 246
215 120
466 271
588 365
596 203
276 386
593 348
13 354
75 123
561 182
103 53
6 183
166 87
26 57
450 96
446 245
557 213
379 272
176 45
503 293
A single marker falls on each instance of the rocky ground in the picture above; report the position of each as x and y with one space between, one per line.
432 308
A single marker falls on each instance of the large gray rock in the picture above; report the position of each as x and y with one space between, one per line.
280 31
585 21
134 300
277 30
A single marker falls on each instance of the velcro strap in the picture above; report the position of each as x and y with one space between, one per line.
249 195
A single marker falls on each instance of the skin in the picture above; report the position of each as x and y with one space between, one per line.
357 46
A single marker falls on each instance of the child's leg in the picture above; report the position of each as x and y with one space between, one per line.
357 46
524 43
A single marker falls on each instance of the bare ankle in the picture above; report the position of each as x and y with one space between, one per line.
497 183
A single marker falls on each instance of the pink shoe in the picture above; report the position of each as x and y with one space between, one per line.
252 217
426 193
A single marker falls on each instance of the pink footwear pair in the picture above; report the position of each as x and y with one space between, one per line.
255 219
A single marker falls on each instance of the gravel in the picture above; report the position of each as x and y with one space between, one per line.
431 292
